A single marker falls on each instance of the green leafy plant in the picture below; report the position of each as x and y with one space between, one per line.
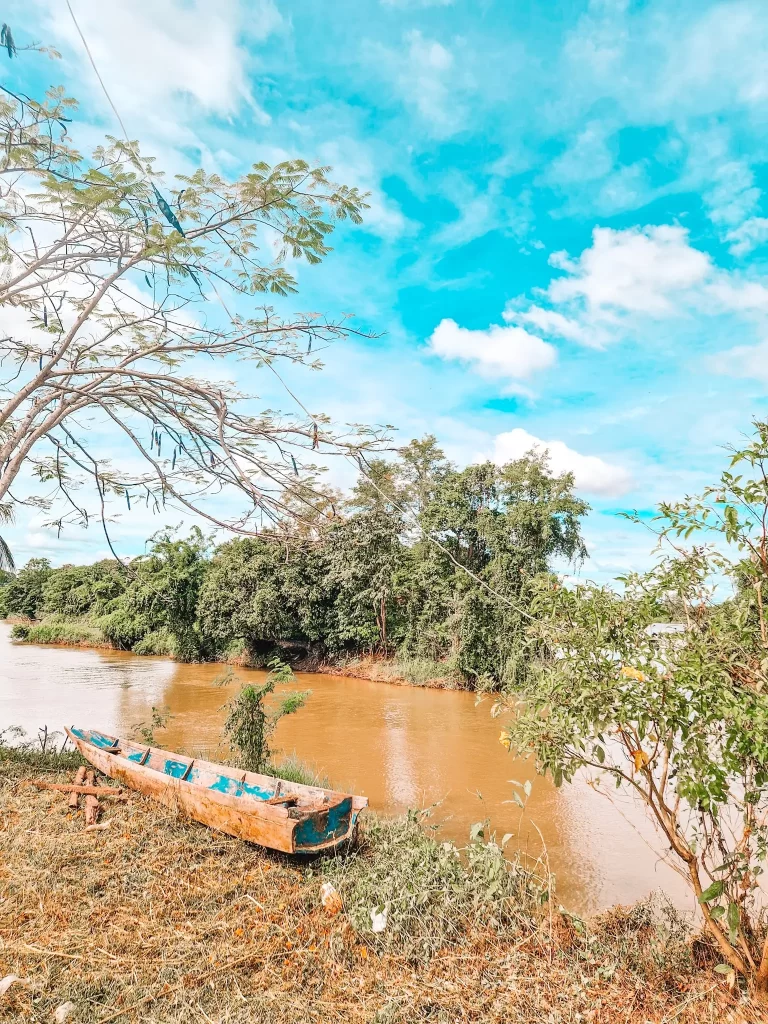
250 724
160 718
679 714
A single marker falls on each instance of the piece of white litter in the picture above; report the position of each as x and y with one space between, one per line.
101 827
378 920
7 981
63 1011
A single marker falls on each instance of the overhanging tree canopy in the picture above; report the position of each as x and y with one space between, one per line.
118 290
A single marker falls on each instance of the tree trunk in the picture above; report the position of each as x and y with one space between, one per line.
732 955
761 978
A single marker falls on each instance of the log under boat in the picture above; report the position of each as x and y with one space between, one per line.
261 809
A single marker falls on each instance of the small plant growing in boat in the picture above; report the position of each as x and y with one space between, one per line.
146 731
250 724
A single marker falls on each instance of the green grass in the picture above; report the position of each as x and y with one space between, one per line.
53 631
418 671
293 770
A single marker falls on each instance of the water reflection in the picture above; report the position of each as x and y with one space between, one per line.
400 746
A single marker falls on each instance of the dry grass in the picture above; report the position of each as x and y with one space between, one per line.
161 920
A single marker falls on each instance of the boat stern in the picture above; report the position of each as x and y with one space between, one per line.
327 829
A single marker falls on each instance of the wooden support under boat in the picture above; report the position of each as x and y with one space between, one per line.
91 800
261 809
77 790
79 780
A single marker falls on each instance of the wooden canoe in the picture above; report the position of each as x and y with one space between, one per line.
261 809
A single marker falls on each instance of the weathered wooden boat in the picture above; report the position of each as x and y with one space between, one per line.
261 809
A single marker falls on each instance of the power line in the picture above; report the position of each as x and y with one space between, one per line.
96 70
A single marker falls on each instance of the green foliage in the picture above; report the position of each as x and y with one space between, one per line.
368 580
680 718
361 576
77 230
74 634
158 643
250 723
161 597
45 753
79 590
431 892
24 594
159 719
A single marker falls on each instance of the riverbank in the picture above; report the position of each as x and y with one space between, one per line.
159 919
84 634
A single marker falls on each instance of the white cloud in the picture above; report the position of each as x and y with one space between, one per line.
549 321
743 361
591 474
587 158
628 276
510 353
731 293
428 78
748 236
637 270
152 52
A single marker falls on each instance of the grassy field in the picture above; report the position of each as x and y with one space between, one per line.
158 919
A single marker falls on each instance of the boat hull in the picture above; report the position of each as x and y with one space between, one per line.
227 800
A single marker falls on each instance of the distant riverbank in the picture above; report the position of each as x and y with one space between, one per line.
82 633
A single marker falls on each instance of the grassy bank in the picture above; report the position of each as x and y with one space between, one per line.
160 919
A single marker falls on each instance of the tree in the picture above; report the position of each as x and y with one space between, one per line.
498 527
161 598
680 718
24 594
118 289
79 590
250 725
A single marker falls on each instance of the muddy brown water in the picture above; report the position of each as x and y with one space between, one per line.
402 747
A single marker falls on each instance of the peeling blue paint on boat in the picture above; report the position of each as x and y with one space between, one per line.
251 789
135 757
175 768
320 827
224 784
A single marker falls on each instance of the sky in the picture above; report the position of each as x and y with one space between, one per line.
567 239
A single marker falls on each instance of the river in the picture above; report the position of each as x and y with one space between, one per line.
400 746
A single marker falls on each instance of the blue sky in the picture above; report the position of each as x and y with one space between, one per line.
568 231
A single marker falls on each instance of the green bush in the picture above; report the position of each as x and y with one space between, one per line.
159 642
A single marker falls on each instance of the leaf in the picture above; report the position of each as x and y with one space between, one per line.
734 917
7 981
712 892
723 969
640 758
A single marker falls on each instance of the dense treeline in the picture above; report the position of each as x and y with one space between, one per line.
356 575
